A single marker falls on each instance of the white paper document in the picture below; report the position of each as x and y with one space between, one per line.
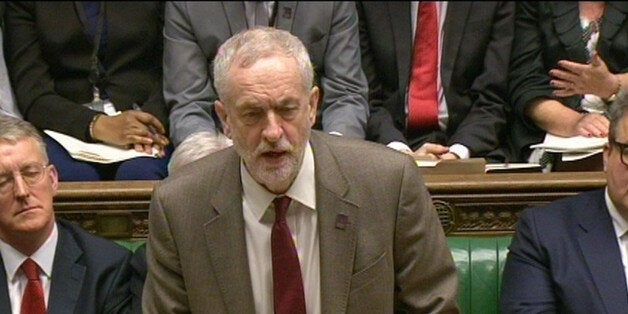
94 152
571 144
572 148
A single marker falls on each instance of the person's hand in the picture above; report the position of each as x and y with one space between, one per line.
592 125
449 156
131 128
573 78
432 151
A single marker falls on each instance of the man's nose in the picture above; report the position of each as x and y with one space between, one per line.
273 130
20 187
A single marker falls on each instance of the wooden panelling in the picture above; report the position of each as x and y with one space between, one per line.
485 204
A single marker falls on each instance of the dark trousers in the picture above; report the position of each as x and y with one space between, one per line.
140 168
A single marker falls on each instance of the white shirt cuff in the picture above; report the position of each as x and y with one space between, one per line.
460 150
399 146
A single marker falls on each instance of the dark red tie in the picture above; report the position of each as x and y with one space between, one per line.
288 295
422 93
33 299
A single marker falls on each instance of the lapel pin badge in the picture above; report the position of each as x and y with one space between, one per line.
342 221
287 13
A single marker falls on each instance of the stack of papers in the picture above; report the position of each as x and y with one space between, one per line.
99 153
572 148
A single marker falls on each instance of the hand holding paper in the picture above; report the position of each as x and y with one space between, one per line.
99 153
131 128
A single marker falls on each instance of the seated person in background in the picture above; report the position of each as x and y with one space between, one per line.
107 54
440 91
221 232
48 266
195 146
7 101
193 32
572 256
569 59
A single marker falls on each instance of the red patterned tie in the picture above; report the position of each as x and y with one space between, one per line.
422 93
288 295
33 299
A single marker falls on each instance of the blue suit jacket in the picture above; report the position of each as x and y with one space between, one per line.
564 258
89 275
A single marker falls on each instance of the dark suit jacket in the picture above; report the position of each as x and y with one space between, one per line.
48 56
564 258
547 32
474 66
195 30
390 255
139 269
89 275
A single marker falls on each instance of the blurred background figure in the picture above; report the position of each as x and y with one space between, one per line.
197 145
193 32
7 100
75 65
569 60
437 76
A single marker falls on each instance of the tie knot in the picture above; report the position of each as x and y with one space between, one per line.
30 269
281 207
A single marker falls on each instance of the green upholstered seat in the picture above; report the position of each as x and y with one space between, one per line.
480 263
132 245
479 260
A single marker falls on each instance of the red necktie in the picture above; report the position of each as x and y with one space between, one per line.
422 94
33 298
288 295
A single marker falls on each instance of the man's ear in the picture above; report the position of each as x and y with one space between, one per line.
53 176
221 110
606 154
314 98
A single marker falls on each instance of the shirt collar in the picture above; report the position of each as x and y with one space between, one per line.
302 190
44 256
619 223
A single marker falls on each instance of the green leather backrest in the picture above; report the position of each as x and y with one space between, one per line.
479 260
480 263
132 245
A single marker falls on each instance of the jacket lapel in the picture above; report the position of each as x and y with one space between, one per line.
234 11
453 29
5 302
68 274
565 15
401 20
337 222
612 22
605 264
225 238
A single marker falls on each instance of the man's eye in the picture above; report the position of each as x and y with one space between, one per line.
251 116
30 173
5 180
288 111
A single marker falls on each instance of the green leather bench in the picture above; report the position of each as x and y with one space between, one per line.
480 262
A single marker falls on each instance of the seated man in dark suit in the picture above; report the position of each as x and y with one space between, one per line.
445 100
49 266
571 256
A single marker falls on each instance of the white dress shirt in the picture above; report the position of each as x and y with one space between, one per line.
16 279
303 222
621 231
